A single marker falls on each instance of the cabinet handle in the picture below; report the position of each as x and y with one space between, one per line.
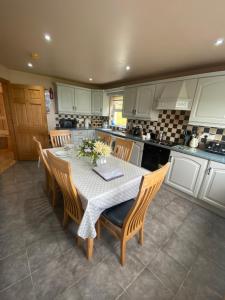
209 170
135 111
75 108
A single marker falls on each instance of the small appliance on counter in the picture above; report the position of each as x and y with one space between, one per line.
215 147
68 123
137 131
194 141
105 124
87 123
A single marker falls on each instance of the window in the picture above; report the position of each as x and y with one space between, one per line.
116 107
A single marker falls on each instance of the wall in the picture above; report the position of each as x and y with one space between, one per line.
172 123
96 121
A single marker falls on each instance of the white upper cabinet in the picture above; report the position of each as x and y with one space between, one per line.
138 102
66 99
129 101
82 101
97 102
186 173
175 95
213 188
209 103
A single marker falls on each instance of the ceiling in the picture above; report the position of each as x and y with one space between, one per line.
100 38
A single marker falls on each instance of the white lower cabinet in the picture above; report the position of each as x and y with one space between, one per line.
213 187
137 152
186 173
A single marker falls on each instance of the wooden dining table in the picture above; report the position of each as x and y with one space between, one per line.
97 194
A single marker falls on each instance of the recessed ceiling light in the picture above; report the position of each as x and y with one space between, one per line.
219 42
127 68
90 79
47 37
30 65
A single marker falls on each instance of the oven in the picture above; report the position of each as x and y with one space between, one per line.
154 157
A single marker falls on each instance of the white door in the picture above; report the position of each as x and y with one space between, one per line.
96 102
186 173
82 101
209 103
129 101
66 99
137 152
145 102
213 188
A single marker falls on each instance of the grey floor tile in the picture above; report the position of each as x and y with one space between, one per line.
98 284
11 242
205 281
168 270
169 218
144 253
147 286
157 231
184 252
13 268
22 290
180 206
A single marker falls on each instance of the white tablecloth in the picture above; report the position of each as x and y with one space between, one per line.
96 194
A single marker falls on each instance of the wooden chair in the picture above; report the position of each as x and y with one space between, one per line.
60 137
51 185
105 137
72 204
123 149
127 219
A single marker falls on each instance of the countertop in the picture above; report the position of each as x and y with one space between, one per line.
77 128
179 148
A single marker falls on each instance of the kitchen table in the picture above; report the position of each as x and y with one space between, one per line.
96 194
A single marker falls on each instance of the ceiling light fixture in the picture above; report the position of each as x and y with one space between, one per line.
127 68
90 79
47 37
219 42
30 65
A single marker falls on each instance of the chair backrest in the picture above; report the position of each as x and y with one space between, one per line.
42 156
60 137
106 138
123 149
150 185
62 172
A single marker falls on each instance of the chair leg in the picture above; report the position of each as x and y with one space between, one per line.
141 236
98 229
65 219
90 246
123 252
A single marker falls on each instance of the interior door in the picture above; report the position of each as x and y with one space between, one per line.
29 119
4 130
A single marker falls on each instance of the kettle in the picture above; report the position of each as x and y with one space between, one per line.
87 122
194 142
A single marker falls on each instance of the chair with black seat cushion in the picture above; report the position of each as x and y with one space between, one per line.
127 219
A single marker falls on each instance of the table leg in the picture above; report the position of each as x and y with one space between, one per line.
90 246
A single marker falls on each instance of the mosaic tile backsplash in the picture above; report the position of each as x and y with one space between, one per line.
96 121
173 123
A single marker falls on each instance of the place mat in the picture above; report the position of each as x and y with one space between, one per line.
108 172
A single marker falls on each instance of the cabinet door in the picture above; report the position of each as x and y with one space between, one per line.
213 188
186 173
96 102
209 103
136 155
144 103
82 101
129 101
66 99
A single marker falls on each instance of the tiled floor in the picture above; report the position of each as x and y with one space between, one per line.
183 256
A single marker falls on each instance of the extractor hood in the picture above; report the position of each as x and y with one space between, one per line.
176 95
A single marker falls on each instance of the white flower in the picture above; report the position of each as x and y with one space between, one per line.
102 149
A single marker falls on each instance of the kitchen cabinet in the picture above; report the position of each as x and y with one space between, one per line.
100 103
82 101
138 102
213 187
137 152
66 99
186 173
209 103
175 95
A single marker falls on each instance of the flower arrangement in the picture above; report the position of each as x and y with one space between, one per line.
93 149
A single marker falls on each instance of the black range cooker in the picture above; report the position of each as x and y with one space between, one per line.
155 155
